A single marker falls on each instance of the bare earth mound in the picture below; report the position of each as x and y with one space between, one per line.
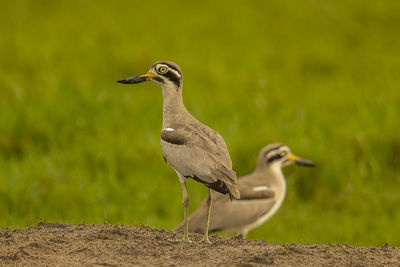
116 245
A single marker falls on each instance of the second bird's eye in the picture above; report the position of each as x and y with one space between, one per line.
162 70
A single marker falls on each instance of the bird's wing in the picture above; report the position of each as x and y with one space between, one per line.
257 192
199 152
253 186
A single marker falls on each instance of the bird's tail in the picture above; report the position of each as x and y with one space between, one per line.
233 191
231 183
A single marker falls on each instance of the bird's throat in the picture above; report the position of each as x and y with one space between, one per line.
173 107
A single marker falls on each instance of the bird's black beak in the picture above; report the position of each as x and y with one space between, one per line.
304 162
137 79
300 161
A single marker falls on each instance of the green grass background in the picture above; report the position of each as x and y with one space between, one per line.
320 76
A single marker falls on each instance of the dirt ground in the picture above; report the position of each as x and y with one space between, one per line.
57 244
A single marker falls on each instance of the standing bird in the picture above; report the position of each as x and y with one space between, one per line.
193 149
261 194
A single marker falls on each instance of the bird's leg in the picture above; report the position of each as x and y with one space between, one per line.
185 202
209 204
240 236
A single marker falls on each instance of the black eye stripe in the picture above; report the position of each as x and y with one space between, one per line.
272 149
274 157
158 79
173 78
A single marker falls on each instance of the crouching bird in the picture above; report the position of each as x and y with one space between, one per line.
193 149
261 195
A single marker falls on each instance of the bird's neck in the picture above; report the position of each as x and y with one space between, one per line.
173 108
278 179
274 175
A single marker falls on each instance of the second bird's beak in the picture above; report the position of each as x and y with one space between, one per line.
138 79
300 161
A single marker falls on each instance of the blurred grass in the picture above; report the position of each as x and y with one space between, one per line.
320 76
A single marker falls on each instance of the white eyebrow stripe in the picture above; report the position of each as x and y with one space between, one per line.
176 73
169 129
260 188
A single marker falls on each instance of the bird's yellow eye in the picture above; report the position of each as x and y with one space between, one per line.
283 153
162 70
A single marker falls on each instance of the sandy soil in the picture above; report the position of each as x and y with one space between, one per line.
59 244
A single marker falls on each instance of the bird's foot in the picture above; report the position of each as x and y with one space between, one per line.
205 240
186 240
239 236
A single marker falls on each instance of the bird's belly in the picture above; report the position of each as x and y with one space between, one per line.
173 154
176 156
185 161
266 216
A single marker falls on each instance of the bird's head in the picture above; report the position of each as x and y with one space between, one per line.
281 155
167 74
